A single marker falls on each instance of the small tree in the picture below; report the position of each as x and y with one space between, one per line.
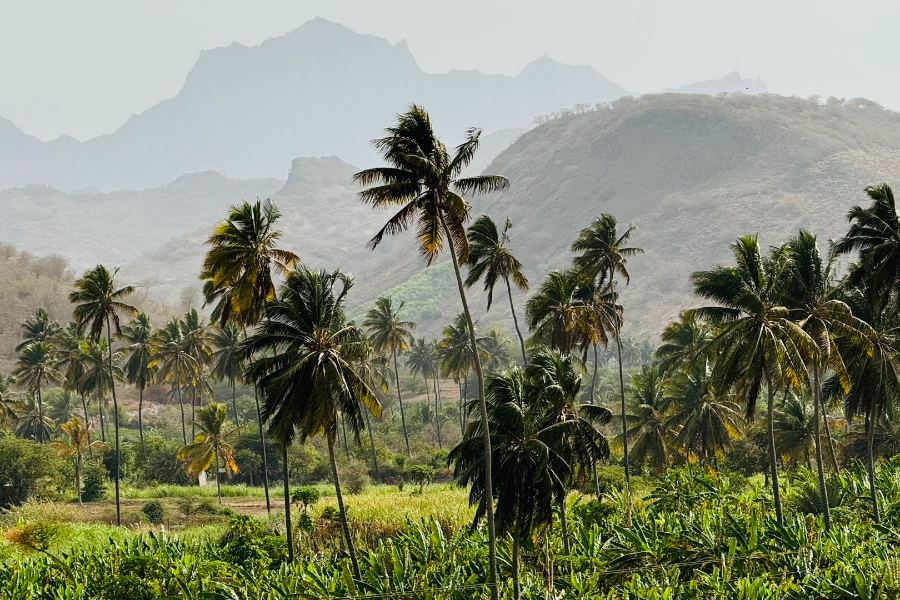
79 443
421 475
209 445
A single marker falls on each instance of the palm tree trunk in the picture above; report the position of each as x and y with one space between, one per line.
517 590
485 425
437 407
344 435
820 463
102 423
140 417
564 526
459 410
428 397
78 477
400 399
512 309
773 456
180 401
870 463
624 428
262 441
287 500
112 386
40 413
340 500
237 421
193 412
218 478
372 445
594 378
834 463
87 424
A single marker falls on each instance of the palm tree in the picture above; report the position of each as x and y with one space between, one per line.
38 328
875 234
490 260
210 445
757 344
423 178
31 422
599 317
238 270
305 353
35 367
7 411
555 313
227 360
195 345
390 335
61 406
530 472
95 376
705 420
98 302
141 363
645 421
71 363
421 362
815 305
456 358
682 341
174 361
604 256
795 430
79 443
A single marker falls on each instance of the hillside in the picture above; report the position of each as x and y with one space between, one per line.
319 90
692 173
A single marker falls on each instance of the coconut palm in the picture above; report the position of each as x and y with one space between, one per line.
174 361
227 360
95 375
98 303
140 366
420 361
530 472
491 260
456 358
603 257
238 271
555 313
875 235
704 419
210 445
305 355
645 420
79 443
7 402
36 366
756 345
70 362
194 340
38 328
682 341
597 320
31 422
494 345
795 430
815 304
61 405
389 335
423 178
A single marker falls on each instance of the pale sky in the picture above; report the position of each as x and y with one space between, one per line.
82 67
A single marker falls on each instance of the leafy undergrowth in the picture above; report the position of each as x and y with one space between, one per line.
698 534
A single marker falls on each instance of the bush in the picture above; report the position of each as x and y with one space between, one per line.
153 510
26 468
420 475
594 512
305 497
125 587
93 483
354 476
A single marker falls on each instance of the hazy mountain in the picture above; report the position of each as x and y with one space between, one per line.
730 84
319 90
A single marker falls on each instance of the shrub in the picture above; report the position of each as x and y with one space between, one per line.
153 510
354 476
420 475
594 512
33 536
93 483
125 587
26 468
305 497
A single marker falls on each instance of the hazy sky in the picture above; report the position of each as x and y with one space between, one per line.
82 67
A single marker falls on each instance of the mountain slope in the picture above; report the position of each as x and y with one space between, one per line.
319 90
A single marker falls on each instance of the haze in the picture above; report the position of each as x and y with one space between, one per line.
83 68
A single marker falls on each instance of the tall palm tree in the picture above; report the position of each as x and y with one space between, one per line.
757 344
556 311
875 235
682 341
7 402
491 260
815 305
79 443
31 422
140 365
238 272
305 369
646 424
227 360
530 472
38 328
795 430
421 362
70 362
603 257
597 320
174 361
390 335
423 178
456 358
34 368
210 445
98 303
705 421
95 375
194 339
